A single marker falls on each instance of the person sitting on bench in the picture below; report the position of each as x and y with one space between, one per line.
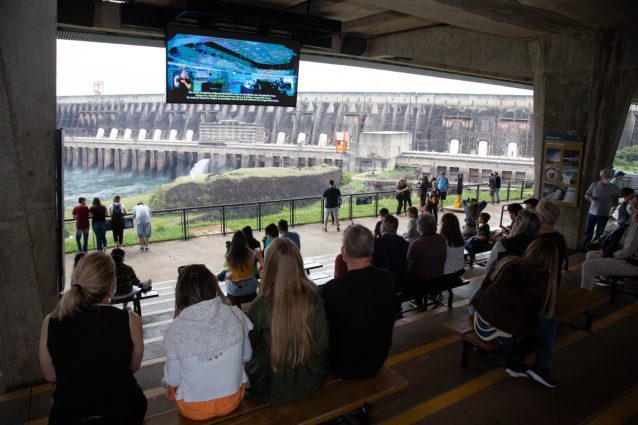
454 265
360 307
427 254
91 350
623 262
390 252
525 229
290 337
126 277
515 308
240 278
207 347
481 241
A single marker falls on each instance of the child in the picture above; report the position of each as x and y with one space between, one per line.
433 201
481 241
125 276
412 233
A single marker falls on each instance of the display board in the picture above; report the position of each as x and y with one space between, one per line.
562 162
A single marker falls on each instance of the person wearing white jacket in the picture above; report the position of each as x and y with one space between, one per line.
207 347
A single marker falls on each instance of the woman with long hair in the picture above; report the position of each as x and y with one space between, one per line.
207 347
240 279
515 307
454 266
91 350
290 337
253 244
98 214
525 229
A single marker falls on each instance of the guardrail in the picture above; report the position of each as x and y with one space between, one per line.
189 222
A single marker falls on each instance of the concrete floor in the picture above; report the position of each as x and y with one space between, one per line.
597 376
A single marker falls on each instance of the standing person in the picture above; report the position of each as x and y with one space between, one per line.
332 197
472 210
98 214
402 189
497 187
142 217
602 195
516 303
442 184
424 185
91 350
491 183
282 226
207 347
530 203
289 339
240 277
432 205
81 215
360 308
117 212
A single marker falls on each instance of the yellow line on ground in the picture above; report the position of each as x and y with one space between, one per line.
421 350
457 394
620 411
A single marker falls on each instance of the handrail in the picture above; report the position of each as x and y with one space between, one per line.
293 205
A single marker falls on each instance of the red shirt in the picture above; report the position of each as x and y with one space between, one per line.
81 215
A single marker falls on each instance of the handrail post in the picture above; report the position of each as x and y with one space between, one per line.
259 216
522 188
478 191
376 204
321 211
223 220
509 185
350 212
184 224
292 212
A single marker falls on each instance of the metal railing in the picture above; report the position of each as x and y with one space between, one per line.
189 222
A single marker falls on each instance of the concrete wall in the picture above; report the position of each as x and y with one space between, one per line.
28 286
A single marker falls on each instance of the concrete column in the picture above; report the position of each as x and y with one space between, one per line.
583 84
28 287
117 162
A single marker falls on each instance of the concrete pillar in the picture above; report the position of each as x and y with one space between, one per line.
28 289
583 84
117 162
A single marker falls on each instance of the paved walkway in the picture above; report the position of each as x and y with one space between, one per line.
161 262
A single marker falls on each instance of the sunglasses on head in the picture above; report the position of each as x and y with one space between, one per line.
189 266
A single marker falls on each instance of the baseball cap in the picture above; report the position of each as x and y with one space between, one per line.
619 174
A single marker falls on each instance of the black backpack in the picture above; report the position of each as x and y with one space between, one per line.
611 243
117 216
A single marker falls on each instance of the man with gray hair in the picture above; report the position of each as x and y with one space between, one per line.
601 195
360 307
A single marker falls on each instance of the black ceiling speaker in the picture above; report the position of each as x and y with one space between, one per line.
353 45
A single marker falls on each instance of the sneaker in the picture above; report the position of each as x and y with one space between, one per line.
142 247
146 249
601 281
517 370
338 229
542 376
325 229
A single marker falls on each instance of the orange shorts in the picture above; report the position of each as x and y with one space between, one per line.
200 410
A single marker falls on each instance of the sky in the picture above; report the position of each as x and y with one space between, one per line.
125 69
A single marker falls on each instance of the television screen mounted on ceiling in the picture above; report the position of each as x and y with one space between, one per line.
206 67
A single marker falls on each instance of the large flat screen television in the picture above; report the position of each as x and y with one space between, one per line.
207 67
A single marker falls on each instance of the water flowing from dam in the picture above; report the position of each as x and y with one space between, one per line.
105 185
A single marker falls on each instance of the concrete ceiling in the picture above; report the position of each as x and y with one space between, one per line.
479 38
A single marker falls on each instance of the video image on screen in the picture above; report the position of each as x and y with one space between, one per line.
213 69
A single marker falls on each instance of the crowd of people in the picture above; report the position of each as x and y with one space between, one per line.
281 351
98 217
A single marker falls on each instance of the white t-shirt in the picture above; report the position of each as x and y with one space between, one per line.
142 214
454 260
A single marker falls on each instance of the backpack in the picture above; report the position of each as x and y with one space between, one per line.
612 242
117 215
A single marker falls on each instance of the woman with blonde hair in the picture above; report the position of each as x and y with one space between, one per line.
207 347
91 350
515 307
525 229
290 337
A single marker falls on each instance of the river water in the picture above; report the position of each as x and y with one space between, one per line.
105 185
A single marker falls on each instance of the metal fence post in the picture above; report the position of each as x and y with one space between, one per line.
223 220
350 212
184 224
509 185
522 188
292 213
376 204
259 216
478 188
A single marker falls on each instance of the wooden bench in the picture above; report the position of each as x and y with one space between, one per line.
337 397
430 293
571 301
311 265
136 299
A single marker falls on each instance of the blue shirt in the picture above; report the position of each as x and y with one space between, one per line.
442 183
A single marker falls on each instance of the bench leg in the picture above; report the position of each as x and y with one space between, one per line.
450 298
364 414
465 355
589 318
137 307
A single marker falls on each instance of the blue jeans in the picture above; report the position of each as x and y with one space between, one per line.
544 349
496 195
99 228
248 286
78 237
599 221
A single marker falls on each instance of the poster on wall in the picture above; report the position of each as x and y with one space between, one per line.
562 160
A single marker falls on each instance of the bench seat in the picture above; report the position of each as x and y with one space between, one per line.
136 299
431 291
337 397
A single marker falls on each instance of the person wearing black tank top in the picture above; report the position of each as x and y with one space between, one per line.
91 350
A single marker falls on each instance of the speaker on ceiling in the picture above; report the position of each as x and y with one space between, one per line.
353 45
